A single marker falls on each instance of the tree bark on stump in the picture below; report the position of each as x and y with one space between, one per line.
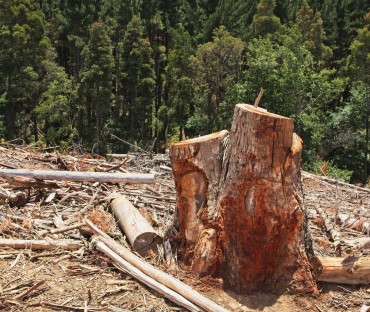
240 204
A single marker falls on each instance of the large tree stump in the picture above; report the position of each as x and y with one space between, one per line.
240 203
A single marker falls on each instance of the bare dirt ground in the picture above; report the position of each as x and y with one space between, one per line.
86 280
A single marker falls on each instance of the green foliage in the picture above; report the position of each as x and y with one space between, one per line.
24 46
138 82
313 34
216 67
95 90
293 87
56 111
332 170
265 21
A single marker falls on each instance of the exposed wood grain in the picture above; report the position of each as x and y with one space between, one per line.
40 244
350 270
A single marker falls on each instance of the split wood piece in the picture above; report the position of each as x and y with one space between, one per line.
351 270
160 276
133 271
329 226
137 229
17 199
129 178
332 181
26 182
239 197
40 244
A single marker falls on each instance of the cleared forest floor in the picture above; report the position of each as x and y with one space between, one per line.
86 280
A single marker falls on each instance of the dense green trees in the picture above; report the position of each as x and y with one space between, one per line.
152 72
23 52
95 89
216 69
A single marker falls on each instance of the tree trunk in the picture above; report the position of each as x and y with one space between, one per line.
240 203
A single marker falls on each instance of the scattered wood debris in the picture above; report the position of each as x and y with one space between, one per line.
82 278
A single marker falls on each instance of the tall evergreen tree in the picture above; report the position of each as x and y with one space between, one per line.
265 21
96 85
313 34
138 83
180 103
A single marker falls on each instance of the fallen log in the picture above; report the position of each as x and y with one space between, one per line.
139 232
156 274
240 206
129 178
350 270
40 244
136 273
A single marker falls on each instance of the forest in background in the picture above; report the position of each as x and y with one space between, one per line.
78 74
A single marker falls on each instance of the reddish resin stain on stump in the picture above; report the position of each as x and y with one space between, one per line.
256 244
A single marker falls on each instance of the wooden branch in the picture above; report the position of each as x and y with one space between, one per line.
133 271
63 229
137 229
28 291
165 168
149 188
26 182
156 274
130 178
40 244
132 145
332 181
351 270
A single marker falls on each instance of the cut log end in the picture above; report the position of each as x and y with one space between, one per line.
259 110
145 242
